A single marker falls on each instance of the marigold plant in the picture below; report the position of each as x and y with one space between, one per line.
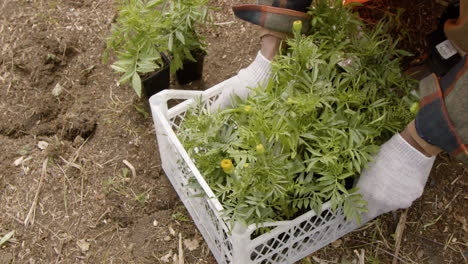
335 96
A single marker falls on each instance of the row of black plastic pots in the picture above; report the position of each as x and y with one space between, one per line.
160 80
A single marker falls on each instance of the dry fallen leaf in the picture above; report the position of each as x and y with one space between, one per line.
337 243
461 220
175 259
172 231
7 237
192 244
18 161
166 258
83 245
57 90
42 145
319 261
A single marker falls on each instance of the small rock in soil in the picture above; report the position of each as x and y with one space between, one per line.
420 254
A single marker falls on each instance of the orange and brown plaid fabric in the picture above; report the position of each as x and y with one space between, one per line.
443 118
277 15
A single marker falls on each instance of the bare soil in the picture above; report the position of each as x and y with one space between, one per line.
75 199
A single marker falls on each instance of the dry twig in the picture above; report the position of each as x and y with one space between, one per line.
130 166
399 235
361 256
400 258
32 211
181 250
397 257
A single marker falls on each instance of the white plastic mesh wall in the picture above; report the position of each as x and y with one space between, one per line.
287 242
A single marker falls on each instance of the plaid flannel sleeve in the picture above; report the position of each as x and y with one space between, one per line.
443 118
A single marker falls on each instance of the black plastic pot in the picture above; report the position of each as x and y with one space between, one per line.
158 80
192 70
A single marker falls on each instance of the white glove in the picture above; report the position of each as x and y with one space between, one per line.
395 179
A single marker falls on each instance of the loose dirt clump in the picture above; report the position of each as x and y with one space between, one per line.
81 178
79 121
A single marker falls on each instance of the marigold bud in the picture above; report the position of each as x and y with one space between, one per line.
414 108
260 149
297 26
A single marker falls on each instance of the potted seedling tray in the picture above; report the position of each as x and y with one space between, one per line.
159 80
191 70
286 242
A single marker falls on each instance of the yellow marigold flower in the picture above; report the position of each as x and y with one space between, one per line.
247 108
227 166
260 149
297 26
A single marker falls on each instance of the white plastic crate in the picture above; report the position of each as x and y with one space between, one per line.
287 242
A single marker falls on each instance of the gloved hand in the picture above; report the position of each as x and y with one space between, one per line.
402 166
395 179
276 15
